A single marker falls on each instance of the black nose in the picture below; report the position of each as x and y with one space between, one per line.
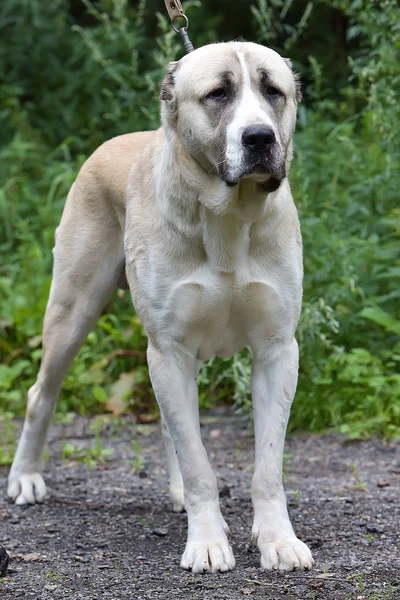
258 137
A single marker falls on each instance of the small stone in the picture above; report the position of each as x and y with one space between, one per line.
325 566
375 528
160 531
4 560
79 558
225 492
215 433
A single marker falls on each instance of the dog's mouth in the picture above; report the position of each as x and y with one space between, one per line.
259 168
265 171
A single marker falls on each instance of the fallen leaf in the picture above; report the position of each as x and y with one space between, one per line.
35 341
120 391
388 482
30 557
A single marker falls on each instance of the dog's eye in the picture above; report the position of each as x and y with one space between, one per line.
273 91
217 94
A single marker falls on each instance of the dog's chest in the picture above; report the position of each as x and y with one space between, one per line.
214 313
217 291
227 302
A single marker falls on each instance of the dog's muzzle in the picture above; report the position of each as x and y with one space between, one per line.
260 150
262 155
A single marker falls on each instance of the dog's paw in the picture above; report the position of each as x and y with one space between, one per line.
26 488
285 555
216 556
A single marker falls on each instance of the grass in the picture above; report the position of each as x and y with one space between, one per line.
8 438
358 485
137 461
361 593
91 455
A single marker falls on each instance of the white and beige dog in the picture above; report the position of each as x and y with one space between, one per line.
199 219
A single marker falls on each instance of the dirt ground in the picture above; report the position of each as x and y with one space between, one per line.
106 529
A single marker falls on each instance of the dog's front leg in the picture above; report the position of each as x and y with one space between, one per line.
173 379
273 387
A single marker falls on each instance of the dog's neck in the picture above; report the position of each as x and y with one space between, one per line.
182 175
215 218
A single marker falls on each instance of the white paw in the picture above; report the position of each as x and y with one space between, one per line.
285 554
26 488
208 557
177 499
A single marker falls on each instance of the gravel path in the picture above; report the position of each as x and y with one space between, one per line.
106 531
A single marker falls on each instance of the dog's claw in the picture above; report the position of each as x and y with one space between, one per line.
208 558
285 555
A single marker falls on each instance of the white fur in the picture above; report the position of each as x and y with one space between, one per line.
249 112
211 269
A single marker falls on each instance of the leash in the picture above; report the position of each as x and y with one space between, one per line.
175 12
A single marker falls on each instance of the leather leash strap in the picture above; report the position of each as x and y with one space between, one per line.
174 9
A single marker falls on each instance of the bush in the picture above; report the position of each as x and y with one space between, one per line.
77 74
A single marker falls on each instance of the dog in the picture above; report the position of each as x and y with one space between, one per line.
198 219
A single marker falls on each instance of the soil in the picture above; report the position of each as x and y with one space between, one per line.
106 529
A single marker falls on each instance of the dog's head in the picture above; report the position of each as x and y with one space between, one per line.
233 106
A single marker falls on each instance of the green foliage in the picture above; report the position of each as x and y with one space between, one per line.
345 180
8 433
92 454
76 74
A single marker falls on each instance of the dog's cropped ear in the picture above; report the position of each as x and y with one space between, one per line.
167 91
297 80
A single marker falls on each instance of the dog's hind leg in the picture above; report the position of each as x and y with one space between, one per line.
88 255
175 478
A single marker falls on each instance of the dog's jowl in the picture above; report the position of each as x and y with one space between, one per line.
200 216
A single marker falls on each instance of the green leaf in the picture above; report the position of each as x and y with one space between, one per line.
381 317
99 394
